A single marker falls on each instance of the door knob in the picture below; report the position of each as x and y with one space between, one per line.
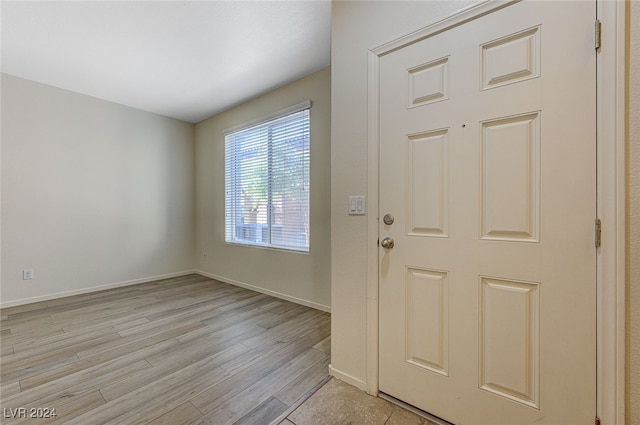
387 243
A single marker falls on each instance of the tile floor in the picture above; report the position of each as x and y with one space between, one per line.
338 403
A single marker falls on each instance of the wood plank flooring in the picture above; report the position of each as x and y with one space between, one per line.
188 350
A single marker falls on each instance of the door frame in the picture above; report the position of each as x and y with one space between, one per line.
611 195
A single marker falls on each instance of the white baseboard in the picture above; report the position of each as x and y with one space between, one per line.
280 295
352 380
92 289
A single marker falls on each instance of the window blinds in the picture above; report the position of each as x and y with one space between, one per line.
267 182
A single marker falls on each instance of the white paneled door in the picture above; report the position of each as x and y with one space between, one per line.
488 174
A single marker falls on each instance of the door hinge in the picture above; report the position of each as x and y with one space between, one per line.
597 420
598 34
598 233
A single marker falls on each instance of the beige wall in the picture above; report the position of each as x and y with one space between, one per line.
93 193
633 217
298 276
96 194
356 27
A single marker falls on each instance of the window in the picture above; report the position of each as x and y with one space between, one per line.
267 181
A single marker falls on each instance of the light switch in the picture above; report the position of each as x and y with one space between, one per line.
357 205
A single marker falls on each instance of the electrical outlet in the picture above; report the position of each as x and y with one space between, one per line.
27 274
204 255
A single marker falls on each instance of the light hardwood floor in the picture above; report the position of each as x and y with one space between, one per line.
188 350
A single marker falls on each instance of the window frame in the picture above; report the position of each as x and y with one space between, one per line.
232 212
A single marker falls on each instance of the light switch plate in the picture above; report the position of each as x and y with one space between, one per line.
357 205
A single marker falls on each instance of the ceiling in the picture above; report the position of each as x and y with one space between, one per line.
184 59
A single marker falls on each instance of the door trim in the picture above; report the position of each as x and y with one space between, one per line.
611 195
611 186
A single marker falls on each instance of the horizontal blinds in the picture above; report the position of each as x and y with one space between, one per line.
267 183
